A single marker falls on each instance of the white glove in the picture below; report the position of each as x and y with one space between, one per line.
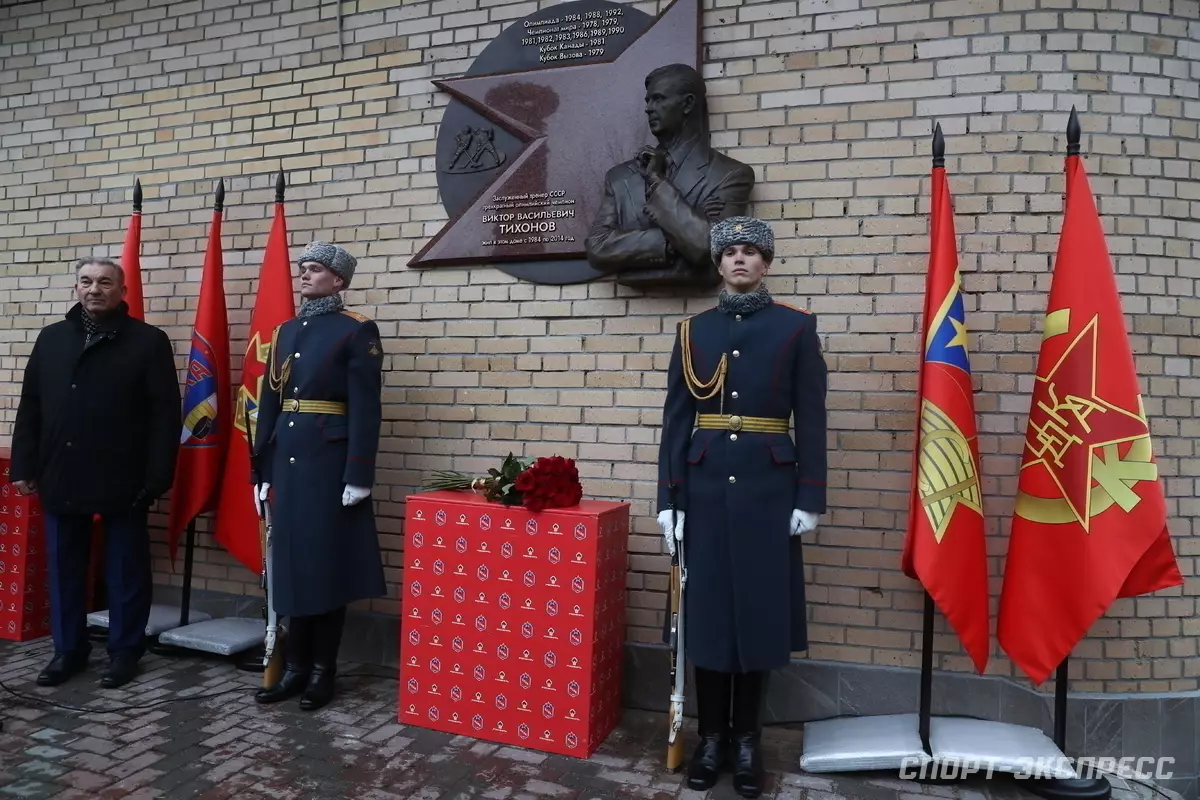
354 494
260 494
665 519
803 521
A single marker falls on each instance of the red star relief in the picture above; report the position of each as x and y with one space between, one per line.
1069 420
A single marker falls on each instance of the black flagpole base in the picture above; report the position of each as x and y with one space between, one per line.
1094 788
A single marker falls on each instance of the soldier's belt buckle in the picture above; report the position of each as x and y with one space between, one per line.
735 423
293 405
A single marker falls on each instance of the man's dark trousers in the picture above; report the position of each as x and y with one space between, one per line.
68 539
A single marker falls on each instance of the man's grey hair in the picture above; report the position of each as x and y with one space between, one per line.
688 81
103 262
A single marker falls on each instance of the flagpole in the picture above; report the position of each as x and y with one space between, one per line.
1061 677
926 708
189 548
188 555
1095 787
1060 705
926 674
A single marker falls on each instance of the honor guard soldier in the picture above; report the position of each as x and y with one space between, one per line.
738 491
317 437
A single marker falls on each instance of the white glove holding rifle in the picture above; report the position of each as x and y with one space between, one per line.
803 521
260 496
671 528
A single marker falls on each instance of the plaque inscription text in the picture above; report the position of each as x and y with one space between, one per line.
572 36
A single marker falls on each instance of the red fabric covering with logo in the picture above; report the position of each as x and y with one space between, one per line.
513 621
24 585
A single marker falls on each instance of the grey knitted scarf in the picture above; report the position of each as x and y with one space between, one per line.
744 304
329 304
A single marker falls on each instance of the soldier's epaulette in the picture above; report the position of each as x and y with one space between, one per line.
356 316
792 307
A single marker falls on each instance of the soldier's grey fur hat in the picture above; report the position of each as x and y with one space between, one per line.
742 230
333 256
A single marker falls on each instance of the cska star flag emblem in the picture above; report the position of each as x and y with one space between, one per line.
1074 459
1090 521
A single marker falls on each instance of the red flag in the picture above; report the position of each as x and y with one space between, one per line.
1090 523
237 518
207 395
131 262
944 547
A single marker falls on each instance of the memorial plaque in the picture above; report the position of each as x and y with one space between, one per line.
546 109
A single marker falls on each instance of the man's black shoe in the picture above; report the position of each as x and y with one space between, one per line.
293 683
707 763
319 692
121 670
61 668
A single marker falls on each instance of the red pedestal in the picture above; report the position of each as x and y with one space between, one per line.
513 622
24 590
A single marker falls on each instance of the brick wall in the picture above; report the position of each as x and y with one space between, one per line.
832 101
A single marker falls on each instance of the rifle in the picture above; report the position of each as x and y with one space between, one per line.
675 752
272 655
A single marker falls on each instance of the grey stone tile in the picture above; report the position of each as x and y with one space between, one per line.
1021 707
1140 727
1102 728
1186 787
965 695
801 692
877 691
1178 732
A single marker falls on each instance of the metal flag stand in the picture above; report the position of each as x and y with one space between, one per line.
920 745
925 746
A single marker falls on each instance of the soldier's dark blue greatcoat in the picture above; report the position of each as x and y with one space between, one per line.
324 555
744 602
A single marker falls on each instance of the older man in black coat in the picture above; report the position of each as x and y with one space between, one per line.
97 432
317 436
738 490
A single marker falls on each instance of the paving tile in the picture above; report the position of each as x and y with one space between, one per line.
29 789
37 770
43 751
213 748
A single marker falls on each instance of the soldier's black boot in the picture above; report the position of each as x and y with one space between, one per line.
297 663
328 640
749 696
712 707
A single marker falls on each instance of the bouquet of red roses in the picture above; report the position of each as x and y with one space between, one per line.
548 482
551 482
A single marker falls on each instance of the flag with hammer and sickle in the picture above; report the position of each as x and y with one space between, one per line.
1090 523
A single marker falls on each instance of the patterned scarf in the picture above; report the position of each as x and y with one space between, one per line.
329 304
90 328
744 304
